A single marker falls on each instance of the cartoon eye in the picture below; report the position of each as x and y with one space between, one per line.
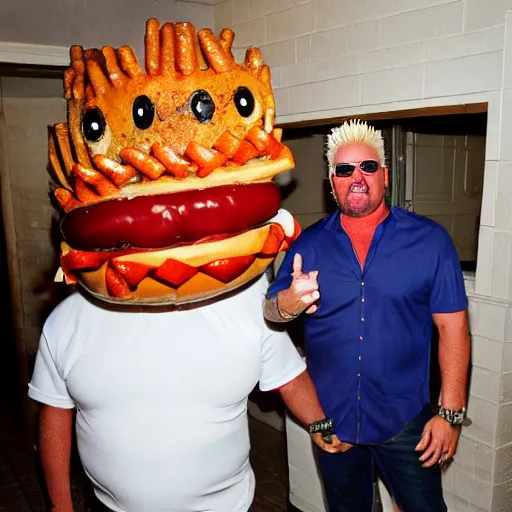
244 101
143 112
93 124
202 106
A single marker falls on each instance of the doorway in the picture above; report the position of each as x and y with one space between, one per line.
436 168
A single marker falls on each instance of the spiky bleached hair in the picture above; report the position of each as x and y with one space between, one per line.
350 132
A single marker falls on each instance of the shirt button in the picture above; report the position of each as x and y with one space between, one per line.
358 375
362 319
359 397
359 358
361 338
362 299
362 283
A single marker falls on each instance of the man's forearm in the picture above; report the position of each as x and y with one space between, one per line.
454 357
301 398
55 437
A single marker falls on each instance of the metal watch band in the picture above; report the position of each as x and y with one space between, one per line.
324 426
452 416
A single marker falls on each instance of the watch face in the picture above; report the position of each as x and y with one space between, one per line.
455 417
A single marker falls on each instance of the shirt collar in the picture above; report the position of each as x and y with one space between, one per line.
334 221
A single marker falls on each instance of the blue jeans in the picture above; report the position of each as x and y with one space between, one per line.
348 477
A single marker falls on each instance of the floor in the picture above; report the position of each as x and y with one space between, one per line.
20 479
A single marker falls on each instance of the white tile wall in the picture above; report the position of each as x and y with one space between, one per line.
291 23
483 417
320 46
491 320
363 36
484 261
407 55
333 13
508 332
503 203
377 60
382 9
288 51
265 7
281 97
315 97
382 86
460 76
455 503
250 33
502 499
507 81
500 258
485 41
490 192
485 384
486 353
504 427
345 65
506 126
294 74
483 462
224 15
503 465
494 117
423 24
506 387
472 458
338 41
484 13
241 12
481 493
507 358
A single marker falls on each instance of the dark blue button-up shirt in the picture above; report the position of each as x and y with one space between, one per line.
368 345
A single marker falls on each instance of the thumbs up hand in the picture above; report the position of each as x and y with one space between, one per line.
302 293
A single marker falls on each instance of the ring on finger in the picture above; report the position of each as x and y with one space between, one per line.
445 458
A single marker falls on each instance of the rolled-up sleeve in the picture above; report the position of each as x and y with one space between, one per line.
47 385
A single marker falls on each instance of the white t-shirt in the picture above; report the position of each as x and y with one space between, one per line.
161 397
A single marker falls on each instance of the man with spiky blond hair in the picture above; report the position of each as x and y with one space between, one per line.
373 281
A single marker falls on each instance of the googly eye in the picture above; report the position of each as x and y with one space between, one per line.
93 124
143 112
244 101
202 106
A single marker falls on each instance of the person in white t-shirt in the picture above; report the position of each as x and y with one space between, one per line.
164 178
161 400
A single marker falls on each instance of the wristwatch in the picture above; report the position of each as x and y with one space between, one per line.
324 427
453 416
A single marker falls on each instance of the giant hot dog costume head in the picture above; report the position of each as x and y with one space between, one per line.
165 171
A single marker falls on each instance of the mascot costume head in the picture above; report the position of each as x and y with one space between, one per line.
165 172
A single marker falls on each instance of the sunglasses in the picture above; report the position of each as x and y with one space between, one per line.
346 169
